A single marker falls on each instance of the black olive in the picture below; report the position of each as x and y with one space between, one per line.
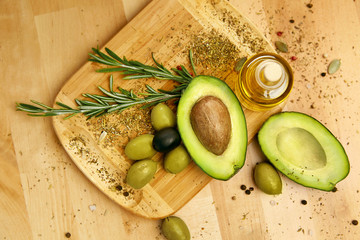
166 140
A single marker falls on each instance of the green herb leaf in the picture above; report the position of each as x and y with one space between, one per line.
281 46
239 64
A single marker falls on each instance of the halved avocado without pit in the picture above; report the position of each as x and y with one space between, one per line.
304 150
212 127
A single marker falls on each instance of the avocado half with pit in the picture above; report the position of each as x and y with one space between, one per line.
212 127
304 150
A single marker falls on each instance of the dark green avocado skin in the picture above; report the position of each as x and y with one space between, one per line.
334 166
226 165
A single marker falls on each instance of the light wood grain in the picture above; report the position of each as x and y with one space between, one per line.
106 165
44 194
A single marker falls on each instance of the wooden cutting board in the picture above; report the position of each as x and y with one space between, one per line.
167 28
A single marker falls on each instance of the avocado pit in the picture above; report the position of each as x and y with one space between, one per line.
211 122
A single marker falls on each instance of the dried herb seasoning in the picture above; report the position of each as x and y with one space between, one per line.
130 122
241 29
213 50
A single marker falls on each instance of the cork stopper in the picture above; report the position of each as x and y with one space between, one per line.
272 71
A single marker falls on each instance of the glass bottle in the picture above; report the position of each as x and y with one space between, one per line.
265 81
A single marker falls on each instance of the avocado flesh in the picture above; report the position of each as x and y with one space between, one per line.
304 150
223 166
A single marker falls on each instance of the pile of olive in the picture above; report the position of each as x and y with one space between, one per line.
166 140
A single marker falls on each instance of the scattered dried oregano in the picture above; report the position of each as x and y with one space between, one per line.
281 46
334 66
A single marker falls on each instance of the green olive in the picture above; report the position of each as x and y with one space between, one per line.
162 117
140 147
141 173
267 178
174 228
176 160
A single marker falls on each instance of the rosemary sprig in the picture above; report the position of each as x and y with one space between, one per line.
136 70
112 101
42 110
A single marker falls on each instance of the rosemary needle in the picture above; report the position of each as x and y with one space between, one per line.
110 100
136 70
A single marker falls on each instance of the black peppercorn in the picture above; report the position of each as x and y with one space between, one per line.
323 74
354 222
67 235
247 192
243 187
303 202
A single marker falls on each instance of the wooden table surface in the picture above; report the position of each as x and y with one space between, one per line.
44 196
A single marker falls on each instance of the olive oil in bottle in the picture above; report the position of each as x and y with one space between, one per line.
265 81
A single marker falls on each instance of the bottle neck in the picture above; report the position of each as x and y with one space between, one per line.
271 76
